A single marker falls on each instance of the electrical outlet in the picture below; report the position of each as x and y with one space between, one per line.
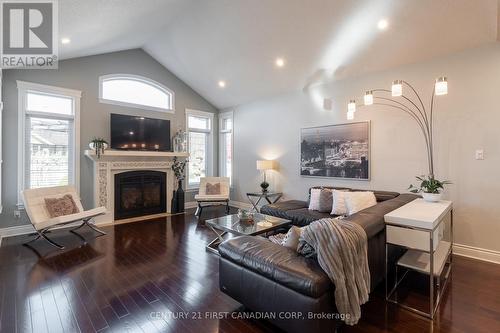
479 154
17 214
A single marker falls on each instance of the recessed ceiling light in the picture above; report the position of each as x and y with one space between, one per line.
280 62
65 40
382 24
222 84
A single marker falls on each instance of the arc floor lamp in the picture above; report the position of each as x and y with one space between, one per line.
411 104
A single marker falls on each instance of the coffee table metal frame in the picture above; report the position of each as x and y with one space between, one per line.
271 197
221 231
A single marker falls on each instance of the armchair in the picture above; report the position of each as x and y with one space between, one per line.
204 198
34 202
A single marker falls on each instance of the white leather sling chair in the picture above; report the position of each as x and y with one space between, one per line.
204 200
34 203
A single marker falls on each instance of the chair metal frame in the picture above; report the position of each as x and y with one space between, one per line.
42 232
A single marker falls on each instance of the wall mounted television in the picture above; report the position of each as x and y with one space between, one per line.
139 133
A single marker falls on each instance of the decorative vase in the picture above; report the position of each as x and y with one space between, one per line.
175 206
432 197
179 195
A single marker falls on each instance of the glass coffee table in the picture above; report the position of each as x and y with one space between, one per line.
261 224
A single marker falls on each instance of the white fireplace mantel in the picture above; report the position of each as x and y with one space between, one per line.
132 154
117 161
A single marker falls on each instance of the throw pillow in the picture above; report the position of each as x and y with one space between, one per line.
314 200
325 201
292 237
357 201
338 202
61 206
212 189
306 250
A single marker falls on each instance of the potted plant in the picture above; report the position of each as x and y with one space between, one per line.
98 145
429 187
178 198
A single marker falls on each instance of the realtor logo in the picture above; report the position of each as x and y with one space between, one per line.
29 34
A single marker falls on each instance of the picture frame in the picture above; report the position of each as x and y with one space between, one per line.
339 151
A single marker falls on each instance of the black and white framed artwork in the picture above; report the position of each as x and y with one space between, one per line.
336 151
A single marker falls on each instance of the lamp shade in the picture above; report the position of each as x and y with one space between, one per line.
351 106
441 86
369 97
266 165
397 88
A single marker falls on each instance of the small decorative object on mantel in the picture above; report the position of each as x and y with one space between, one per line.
99 145
180 141
264 165
178 197
430 188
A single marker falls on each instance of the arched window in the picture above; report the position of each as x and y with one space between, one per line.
135 91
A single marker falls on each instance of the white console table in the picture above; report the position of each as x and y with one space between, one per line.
420 228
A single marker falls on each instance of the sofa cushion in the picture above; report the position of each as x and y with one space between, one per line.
372 218
381 195
279 209
278 263
292 237
338 203
325 201
314 199
331 188
305 216
358 201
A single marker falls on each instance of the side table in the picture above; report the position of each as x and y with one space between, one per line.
421 228
256 197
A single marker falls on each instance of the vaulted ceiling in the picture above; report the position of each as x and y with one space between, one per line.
237 41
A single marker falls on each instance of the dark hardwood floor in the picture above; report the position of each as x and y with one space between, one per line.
141 274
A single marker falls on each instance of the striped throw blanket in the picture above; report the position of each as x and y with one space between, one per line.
341 248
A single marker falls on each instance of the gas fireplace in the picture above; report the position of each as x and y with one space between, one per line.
140 193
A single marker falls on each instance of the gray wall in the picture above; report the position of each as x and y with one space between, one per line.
83 74
467 119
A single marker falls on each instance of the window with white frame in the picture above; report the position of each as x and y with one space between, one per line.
135 91
200 144
226 144
48 136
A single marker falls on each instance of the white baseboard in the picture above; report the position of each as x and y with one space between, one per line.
190 204
476 253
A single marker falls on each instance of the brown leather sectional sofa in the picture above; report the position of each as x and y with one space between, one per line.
292 291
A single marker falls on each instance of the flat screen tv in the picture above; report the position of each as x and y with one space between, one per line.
139 133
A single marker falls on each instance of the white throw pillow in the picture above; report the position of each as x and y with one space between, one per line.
357 201
314 200
292 237
338 206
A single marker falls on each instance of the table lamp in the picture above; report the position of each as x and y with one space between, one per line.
264 165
